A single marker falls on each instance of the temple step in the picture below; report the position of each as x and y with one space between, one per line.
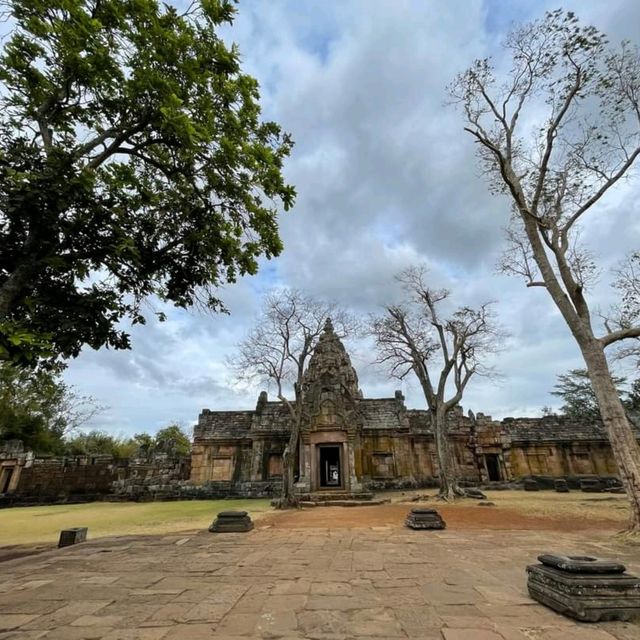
344 502
337 496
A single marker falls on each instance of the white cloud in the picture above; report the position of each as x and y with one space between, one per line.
385 177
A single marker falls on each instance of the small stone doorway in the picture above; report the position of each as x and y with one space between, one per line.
492 462
5 479
330 466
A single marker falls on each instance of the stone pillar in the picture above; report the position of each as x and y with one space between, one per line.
304 483
257 455
354 483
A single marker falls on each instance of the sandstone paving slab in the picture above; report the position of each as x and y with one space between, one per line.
10 621
22 635
77 633
470 634
507 595
66 614
150 633
331 588
291 587
275 624
205 612
379 623
99 579
38 607
97 621
582 632
414 620
322 584
322 623
190 632
284 603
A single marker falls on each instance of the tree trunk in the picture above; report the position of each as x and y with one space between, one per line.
449 488
624 445
289 459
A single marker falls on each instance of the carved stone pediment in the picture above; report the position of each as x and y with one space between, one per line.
330 386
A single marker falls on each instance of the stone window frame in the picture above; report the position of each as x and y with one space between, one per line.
374 466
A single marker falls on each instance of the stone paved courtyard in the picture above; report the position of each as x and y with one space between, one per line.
322 583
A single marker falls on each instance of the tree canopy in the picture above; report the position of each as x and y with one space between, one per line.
39 409
576 391
171 441
133 163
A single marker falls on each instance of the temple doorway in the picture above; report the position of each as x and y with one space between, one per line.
5 479
493 467
330 467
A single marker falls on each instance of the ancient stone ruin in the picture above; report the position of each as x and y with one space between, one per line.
72 536
424 518
231 522
352 444
585 588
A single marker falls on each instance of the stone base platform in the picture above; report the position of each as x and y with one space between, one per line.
340 499
231 522
424 518
72 536
585 588
334 496
344 503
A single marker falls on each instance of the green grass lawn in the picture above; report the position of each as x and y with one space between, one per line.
34 525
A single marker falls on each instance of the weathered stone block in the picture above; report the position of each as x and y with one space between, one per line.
561 486
424 518
585 588
72 536
472 492
231 522
531 485
591 485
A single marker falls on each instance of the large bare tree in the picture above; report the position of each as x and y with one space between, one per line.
444 351
277 351
555 134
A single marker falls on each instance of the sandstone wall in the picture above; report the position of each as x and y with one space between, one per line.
92 478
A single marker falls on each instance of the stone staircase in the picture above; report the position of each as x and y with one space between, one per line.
340 499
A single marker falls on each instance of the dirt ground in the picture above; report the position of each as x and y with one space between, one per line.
514 510
29 530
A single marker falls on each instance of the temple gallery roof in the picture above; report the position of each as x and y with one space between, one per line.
333 400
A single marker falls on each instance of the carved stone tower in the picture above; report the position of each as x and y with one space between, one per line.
331 421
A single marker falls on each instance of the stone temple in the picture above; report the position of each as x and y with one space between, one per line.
352 444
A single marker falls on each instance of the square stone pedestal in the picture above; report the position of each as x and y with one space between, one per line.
424 518
585 588
231 522
561 486
72 536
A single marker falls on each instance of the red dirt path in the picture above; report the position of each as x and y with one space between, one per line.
456 517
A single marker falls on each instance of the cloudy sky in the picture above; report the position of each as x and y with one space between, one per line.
386 178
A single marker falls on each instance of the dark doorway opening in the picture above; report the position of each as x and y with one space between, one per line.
330 472
5 479
493 467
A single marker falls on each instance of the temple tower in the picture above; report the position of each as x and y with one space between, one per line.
331 423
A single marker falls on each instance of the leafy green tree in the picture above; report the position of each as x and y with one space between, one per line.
579 398
145 445
133 163
100 442
173 441
38 408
